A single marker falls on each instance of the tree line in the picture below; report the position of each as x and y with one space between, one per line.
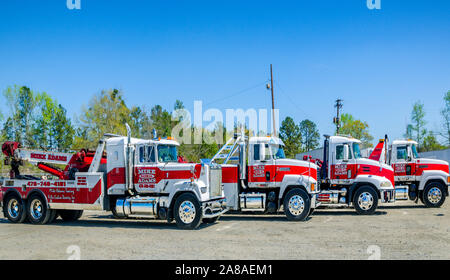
37 120
427 138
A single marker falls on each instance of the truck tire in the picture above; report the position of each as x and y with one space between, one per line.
53 216
187 211
14 209
70 215
37 210
433 195
297 205
365 200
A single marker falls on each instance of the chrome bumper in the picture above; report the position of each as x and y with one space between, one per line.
212 209
314 202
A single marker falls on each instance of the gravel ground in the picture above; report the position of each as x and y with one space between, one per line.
401 231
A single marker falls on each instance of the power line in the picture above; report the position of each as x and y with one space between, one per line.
236 93
292 101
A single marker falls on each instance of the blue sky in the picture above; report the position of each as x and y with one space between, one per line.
379 61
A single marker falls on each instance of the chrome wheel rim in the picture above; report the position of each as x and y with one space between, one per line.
187 212
365 201
434 195
36 209
296 205
14 208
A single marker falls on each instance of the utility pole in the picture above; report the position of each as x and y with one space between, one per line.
273 102
337 119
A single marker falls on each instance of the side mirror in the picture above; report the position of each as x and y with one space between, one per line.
345 153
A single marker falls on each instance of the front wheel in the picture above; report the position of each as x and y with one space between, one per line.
187 211
365 200
14 209
297 205
433 195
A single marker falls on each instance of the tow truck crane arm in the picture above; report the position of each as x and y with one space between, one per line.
80 161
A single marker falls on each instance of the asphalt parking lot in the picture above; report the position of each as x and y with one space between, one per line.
401 231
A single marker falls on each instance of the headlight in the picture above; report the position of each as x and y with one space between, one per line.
386 184
448 180
313 187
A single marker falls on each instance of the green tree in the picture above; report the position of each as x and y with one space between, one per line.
430 143
105 113
357 129
140 123
408 134
22 102
291 136
418 122
52 129
445 113
63 130
161 120
310 135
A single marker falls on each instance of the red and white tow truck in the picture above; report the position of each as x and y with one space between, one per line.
415 177
266 180
128 176
347 179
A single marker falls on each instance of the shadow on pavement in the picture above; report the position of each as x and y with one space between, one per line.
110 222
256 218
344 213
417 206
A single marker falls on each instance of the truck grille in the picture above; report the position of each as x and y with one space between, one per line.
215 181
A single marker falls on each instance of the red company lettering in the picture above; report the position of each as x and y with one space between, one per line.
58 158
37 156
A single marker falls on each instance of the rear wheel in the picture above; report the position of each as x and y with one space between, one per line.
38 212
14 209
297 205
70 215
433 195
187 211
365 200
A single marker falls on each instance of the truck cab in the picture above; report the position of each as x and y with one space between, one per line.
156 175
415 177
347 179
258 177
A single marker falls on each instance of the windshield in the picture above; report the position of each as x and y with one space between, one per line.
277 151
414 151
356 150
167 153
